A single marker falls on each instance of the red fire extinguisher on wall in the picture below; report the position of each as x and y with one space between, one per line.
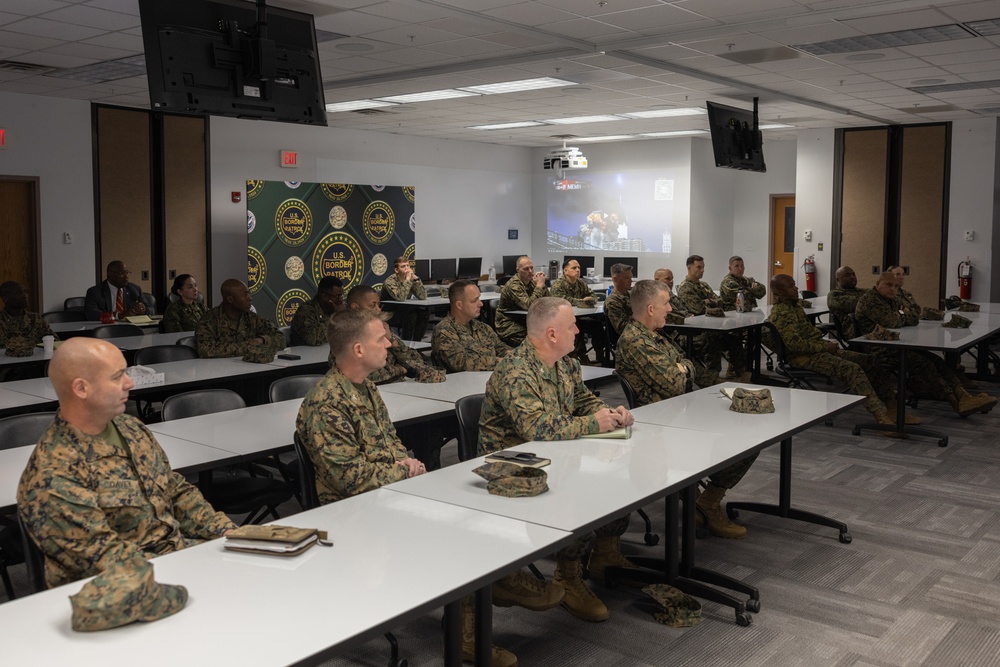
965 279
809 266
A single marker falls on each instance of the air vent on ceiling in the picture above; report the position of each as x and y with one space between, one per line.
24 68
887 40
371 112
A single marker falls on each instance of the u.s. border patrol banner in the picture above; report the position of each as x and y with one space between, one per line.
297 233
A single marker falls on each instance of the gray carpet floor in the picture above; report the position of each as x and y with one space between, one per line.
919 584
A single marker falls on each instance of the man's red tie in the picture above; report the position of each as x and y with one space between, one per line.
120 302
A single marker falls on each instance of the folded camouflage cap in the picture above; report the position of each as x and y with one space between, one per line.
19 346
675 318
929 313
675 608
512 480
124 593
430 375
967 307
715 312
881 333
806 303
957 322
259 355
752 401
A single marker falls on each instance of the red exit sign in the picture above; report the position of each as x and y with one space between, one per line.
3 139
289 159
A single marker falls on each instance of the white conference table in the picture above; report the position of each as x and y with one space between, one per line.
14 402
467 383
320 354
385 569
80 328
598 309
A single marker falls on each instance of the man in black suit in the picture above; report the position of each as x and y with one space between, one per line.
104 297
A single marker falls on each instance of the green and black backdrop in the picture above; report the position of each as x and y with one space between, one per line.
297 233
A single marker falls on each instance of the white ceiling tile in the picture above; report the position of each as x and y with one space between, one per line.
595 8
468 46
27 42
91 51
513 39
730 44
355 23
974 68
52 29
408 12
408 56
888 65
480 5
977 56
117 40
33 7
821 32
461 26
973 11
532 14
921 18
583 29
120 6
953 46
94 18
411 35
660 16
720 9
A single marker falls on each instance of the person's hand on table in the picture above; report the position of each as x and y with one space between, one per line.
608 420
626 416
413 467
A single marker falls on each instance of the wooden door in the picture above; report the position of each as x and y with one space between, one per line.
19 252
782 258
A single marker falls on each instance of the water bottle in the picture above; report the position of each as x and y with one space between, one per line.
493 272
739 301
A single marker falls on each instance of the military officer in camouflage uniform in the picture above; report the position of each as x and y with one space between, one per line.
736 282
843 300
518 294
578 293
15 320
231 330
98 490
657 370
666 276
905 295
537 393
882 306
696 296
617 306
461 341
404 285
805 348
309 323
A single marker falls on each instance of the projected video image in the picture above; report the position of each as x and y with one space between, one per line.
628 211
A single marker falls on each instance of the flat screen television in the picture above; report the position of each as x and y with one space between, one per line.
422 267
470 268
631 261
586 262
232 58
510 264
443 269
736 141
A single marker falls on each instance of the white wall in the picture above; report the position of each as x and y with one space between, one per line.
973 149
712 208
467 194
50 138
814 204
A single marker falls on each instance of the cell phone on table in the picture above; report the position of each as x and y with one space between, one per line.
289 357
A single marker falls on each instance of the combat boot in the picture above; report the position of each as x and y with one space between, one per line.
607 553
522 589
710 501
911 420
990 402
580 600
501 657
883 417
965 404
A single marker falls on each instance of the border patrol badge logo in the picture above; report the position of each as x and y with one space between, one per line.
378 222
409 192
293 222
287 305
256 270
338 254
337 192
254 188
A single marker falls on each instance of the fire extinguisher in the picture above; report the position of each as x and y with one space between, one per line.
965 279
809 266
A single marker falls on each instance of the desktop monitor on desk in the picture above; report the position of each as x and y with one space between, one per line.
631 261
586 262
510 264
470 268
422 267
443 269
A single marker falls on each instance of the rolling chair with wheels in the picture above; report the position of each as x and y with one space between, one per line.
287 389
75 304
611 337
188 341
257 497
650 538
58 316
34 559
310 500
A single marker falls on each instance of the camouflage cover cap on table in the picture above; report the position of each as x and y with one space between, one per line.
806 303
676 609
957 322
675 318
512 480
715 312
881 333
124 593
967 307
929 313
262 355
20 346
752 401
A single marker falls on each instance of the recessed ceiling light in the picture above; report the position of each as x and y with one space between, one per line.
584 119
663 113
774 126
354 47
428 96
354 105
506 126
612 137
986 28
673 133
517 86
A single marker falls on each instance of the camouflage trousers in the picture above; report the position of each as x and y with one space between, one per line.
711 345
410 322
582 545
863 373
729 477
926 373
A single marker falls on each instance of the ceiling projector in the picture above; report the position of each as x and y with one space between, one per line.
564 158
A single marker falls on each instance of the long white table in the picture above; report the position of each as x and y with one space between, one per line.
467 383
385 568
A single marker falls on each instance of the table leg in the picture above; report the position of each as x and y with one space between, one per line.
453 634
484 626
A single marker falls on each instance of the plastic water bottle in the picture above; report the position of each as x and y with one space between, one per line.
739 301
493 272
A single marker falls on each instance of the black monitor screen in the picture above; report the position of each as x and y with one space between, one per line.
422 267
586 262
232 58
470 268
631 261
443 269
735 142
510 264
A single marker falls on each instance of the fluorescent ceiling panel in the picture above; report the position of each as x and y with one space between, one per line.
517 86
429 96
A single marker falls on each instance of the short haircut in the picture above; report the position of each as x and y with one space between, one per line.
567 261
886 275
542 312
894 267
329 282
694 258
517 265
400 260
456 290
643 293
346 328
735 258
359 292
617 269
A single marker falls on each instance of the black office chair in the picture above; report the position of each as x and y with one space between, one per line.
149 301
57 316
34 559
256 497
807 294
612 337
75 304
116 331
307 491
17 431
650 538
467 411
158 354
794 377
189 341
295 386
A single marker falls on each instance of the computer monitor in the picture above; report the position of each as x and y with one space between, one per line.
422 267
443 269
586 262
631 261
470 268
510 264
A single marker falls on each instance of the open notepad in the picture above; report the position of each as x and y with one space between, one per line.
622 433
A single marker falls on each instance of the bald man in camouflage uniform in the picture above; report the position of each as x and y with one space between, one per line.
518 294
805 348
569 286
231 330
882 306
657 370
537 393
461 341
98 490
735 282
697 296
843 300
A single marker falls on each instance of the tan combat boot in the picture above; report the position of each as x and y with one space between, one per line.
965 404
710 501
521 589
501 657
580 600
989 402
911 420
889 419
607 553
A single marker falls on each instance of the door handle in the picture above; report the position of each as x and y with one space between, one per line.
778 264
